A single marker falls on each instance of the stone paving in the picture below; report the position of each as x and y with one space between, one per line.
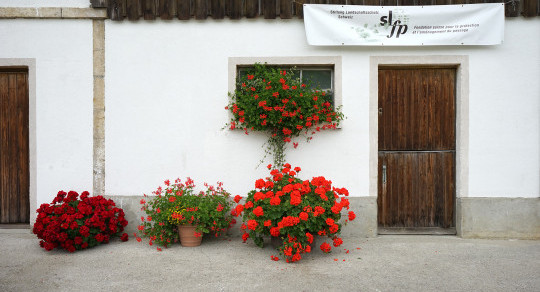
384 263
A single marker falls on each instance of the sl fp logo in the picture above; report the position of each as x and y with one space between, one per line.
401 28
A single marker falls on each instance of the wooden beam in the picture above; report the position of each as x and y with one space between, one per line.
530 8
235 9
252 8
149 9
269 9
133 9
165 9
183 8
201 9
116 9
217 9
286 9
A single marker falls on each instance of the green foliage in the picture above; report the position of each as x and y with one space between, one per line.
180 204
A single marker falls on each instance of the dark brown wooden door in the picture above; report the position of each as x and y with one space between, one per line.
416 170
14 160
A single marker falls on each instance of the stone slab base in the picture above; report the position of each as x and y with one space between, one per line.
365 224
498 218
475 217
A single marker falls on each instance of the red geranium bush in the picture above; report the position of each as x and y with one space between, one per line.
73 223
294 211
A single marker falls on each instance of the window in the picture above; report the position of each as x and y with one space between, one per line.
321 77
322 72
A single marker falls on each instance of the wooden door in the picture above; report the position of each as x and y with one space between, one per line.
14 159
416 171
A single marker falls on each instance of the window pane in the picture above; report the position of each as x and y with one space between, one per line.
242 72
295 73
318 78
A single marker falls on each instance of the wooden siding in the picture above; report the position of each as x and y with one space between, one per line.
14 147
268 9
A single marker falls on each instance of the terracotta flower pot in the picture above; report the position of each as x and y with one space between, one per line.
187 235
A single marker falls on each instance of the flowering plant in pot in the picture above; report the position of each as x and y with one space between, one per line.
294 210
180 204
73 223
277 102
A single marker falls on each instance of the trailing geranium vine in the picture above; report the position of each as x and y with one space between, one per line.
277 102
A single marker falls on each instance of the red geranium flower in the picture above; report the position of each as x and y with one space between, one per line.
258 211
275 201
325 247
337 241
252 224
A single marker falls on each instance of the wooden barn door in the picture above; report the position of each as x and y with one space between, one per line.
14 159
416 165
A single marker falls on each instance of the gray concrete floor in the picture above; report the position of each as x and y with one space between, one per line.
385 263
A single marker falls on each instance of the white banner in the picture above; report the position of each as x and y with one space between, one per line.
354 25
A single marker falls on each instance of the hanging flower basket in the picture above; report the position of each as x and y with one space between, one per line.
276 101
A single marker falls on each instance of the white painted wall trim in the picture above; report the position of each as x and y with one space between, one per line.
52 13
31 64
462 113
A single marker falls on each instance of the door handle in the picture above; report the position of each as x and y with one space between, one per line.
384 174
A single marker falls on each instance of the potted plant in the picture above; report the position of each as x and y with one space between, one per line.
73 223
294 210
276 101
179 210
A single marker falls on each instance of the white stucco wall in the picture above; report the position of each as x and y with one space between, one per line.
62 50
166 87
